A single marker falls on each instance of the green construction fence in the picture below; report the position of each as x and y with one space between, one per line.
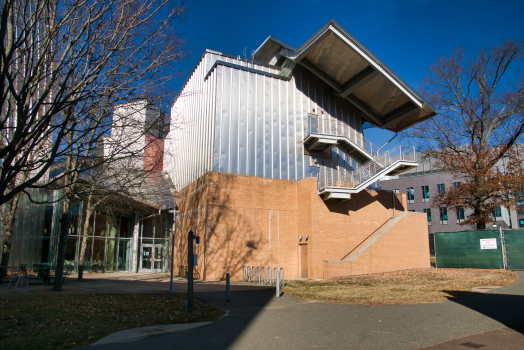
514 242
469 249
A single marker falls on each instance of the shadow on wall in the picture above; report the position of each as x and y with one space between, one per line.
228 238
364 198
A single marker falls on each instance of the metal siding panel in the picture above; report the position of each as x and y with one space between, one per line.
292 161
252 126
299 137
259 101
282 116
234 121
268 128
224 129
275 117
243 139
218 115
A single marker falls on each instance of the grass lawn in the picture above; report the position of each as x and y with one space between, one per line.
74 320
397 288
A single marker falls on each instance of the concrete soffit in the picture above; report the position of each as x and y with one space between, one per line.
355 73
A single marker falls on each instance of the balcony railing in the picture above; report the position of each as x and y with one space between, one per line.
338 128
352 179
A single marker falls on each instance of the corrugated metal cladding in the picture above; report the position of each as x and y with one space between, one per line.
245 122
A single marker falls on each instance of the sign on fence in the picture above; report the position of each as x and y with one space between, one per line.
490 243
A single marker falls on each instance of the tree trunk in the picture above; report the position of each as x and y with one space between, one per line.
85 231
480 214
64 231
8 220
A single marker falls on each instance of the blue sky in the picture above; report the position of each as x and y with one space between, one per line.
407 35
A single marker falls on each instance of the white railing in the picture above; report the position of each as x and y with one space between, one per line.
339 128
351 179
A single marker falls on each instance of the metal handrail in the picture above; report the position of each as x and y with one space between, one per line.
352 179
330 126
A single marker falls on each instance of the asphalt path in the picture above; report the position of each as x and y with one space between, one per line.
258 320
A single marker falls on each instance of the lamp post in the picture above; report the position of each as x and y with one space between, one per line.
171 291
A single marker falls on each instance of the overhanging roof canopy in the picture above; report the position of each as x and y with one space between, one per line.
355 73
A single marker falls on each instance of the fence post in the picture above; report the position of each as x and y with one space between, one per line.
503 242
435 248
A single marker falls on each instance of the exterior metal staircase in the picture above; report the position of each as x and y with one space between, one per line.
322 135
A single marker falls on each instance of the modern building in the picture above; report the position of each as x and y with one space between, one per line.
130 235
272 167
421 184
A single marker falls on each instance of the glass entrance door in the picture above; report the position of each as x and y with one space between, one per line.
151 258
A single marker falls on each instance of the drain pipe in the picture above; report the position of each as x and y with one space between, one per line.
174 211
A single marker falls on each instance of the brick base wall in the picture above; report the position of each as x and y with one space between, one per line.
246 220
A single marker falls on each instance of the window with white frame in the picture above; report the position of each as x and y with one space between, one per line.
428 214
441 188
425 193
411 194
460 215
443 216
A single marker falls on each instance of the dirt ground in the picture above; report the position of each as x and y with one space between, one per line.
403 287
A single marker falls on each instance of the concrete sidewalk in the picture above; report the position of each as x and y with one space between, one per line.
258 320
121 282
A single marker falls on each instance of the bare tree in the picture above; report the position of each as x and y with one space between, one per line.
476 135
65 64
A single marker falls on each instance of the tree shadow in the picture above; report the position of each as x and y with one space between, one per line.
507 309
228 236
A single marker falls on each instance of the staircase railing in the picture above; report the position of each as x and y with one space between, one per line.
351 179
339 128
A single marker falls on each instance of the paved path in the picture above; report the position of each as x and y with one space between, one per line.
258 320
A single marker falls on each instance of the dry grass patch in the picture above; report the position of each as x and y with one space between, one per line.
75 320
403 287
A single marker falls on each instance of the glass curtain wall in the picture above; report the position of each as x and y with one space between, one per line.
36 231
108 245
32 240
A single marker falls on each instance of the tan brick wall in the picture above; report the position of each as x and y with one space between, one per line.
246 220
404 246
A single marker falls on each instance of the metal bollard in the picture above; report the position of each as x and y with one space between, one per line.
227 287
278 284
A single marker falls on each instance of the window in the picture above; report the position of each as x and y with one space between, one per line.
520 207
498 211
521 222
425 193
441 188
443 216
457 184
428 213
411 210
411 194
396 190
460 215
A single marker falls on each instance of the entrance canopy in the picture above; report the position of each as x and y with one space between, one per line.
353 72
